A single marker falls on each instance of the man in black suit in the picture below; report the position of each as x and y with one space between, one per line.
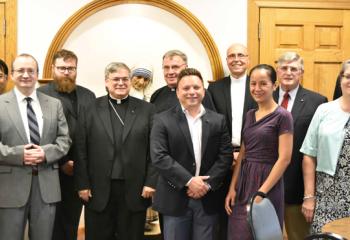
113 172
174 61
64 88
191 149
302 103
231 97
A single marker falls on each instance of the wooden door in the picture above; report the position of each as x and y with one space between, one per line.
320 36
2 30
8 33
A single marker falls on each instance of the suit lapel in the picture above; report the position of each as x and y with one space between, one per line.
205 133
299 103
227 97
183 125
47 116
105 116
129 117
15 115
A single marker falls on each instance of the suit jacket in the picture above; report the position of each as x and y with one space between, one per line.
220 91
96 148
173 156
304 107
84 97
16 178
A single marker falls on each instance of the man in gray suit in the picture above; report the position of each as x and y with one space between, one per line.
33 137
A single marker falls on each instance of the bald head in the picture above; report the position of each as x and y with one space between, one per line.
237 59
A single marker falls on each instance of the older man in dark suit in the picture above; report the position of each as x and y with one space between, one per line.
71 95
231 97
113 172
302 103
191 149
33 137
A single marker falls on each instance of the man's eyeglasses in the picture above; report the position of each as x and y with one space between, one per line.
118 79
292 69
22 71
237 56
63 69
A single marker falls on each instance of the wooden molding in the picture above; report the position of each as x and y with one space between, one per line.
167 5
44 81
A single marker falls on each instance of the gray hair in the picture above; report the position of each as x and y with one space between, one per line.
291 57
173 53
344 66
114 67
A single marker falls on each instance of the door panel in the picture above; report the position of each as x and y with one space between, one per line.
320 36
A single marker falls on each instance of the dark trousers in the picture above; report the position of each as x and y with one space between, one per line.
67 211
116 221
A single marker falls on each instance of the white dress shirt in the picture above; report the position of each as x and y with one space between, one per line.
238 86
292 95
195 126
22 104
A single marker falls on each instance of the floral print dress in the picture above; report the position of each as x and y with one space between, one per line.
333 192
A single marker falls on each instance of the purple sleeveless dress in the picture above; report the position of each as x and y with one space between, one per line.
261 153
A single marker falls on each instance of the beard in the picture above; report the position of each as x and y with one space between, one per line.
65 84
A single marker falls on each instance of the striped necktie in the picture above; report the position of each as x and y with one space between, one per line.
33 123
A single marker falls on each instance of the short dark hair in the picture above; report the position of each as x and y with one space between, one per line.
65 54
189 72
270 71
3 67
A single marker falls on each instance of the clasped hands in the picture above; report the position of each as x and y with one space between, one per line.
197 187
33 155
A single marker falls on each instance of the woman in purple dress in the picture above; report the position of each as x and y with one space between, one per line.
265 154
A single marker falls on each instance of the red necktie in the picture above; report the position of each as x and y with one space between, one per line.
284 103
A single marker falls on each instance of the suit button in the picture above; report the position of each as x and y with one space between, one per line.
193 164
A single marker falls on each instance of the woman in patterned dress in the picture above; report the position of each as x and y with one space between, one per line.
326 151
265 154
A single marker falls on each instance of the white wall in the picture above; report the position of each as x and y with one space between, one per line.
39 21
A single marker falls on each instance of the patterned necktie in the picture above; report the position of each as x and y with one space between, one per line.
285 100
33 123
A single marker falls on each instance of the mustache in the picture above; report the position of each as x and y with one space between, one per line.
65 84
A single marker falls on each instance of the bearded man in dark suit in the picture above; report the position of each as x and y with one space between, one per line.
71 95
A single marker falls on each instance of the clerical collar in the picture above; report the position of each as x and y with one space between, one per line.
172 89
118 101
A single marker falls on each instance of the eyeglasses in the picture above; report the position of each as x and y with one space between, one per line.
119 79
22 71
347 77
292 69
237 56
173 67
63 69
